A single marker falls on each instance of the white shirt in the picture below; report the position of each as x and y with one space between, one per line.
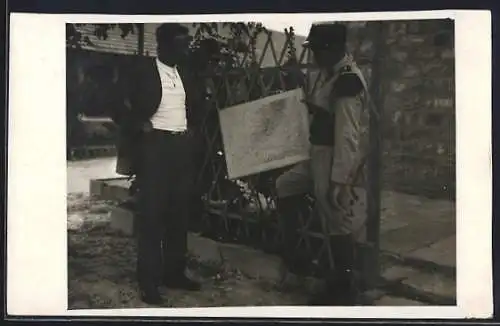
171 113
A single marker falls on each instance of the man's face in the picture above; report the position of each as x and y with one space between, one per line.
174 49
327 57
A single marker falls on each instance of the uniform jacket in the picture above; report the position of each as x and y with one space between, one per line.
348 134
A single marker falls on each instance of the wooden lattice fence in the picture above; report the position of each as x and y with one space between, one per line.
244 210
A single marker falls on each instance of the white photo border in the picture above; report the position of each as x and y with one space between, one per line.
37 213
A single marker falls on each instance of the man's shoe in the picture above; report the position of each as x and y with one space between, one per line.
181 282
151 296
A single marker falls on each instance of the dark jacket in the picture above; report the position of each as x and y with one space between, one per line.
140 94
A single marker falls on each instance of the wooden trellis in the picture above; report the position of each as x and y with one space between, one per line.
249 215
245 211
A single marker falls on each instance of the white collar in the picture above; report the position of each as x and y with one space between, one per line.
165 67
347 60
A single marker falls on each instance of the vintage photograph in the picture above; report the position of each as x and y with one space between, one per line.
253 163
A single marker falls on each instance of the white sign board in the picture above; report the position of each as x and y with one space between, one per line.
266 134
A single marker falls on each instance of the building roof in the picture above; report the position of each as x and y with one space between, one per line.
129 45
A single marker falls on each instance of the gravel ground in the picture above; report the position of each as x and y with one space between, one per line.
101 269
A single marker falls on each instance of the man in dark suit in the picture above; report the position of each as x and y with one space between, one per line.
157 140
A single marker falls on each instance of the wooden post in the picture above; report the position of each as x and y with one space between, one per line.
374 161
140 39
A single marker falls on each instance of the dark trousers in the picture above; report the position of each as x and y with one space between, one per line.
165 181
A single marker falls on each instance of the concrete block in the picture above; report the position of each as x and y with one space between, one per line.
204 249
96 186
251 262
119 188
118 192
123 220
111 189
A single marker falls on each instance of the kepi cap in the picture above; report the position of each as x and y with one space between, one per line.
326 35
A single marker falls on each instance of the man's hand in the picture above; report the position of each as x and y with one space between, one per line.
340 196
311 107
147 126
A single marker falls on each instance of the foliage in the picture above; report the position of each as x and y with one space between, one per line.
75 39
212 49
209 47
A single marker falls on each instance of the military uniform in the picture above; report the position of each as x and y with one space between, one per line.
335 171
336 156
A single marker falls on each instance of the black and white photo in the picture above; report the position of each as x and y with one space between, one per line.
292 161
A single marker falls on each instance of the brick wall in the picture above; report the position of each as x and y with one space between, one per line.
418 122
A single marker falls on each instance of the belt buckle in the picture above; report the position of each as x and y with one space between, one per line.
176 132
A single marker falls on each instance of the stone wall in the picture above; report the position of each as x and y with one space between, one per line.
418 121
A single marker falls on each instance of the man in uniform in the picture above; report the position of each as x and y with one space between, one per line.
336 162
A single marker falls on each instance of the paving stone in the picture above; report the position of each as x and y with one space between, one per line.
435 283
416 235
396 301
397 273
391 224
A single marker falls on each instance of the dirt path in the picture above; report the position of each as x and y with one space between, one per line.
101 269
102 261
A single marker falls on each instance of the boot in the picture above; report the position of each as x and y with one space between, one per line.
341 289
345 280
295 260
